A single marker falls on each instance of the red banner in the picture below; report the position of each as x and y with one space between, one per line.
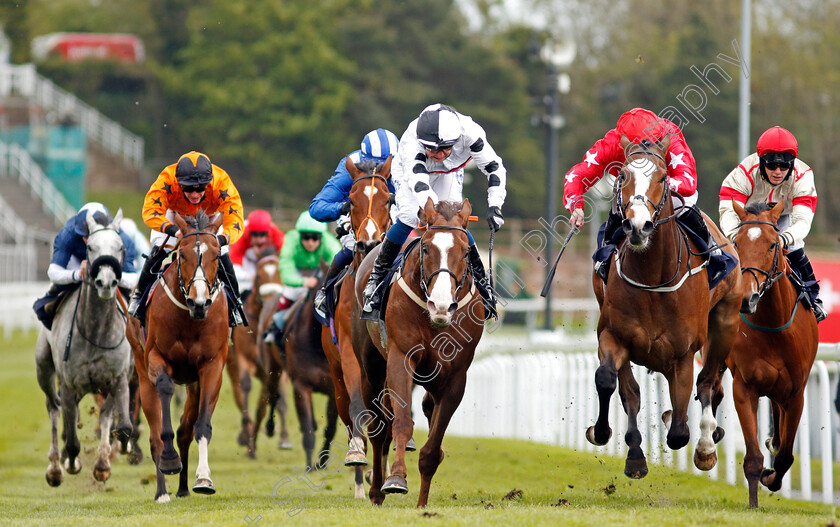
828 273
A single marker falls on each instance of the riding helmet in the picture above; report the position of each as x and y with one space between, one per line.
438 127
640 125
378 145
194 169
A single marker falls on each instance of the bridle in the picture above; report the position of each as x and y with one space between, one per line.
106 259
425 282
212 288
621 207
772 276
369 216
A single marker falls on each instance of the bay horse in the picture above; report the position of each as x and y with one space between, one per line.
186 343
433 321
86 352
775 347
243 359
369 215
656 310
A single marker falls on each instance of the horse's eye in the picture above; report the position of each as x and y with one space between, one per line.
772 247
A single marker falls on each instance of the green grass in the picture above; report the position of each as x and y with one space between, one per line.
558 486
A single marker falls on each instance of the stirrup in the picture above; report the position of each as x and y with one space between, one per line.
320 303
819 311
134 305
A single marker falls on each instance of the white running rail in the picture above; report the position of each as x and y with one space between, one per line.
24 80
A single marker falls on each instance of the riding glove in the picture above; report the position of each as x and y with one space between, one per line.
223 240
171 230
495 219
345 207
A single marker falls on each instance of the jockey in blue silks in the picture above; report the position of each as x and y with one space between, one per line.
67 267
333 202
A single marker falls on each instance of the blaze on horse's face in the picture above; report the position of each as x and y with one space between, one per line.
198 262
370 199
643 180
759 248
105 256
444 257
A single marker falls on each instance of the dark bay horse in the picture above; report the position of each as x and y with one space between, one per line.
369 215
243 358
657 311
433 321
305 365
775 347
86 352
186 343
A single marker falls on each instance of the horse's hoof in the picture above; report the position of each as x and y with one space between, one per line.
204 486
244 438
269 428
718 434
395 485
769 478
411 446
355 458
183 493
135 457
170 466
101 474
285 445
368 476
705 462
75 468
252 454
770 448
163 498
54 477
635 468
590 436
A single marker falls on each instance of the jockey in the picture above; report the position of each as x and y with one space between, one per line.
69 265
261 236
607 156
300 259
434 150
774 173
191 184
333 202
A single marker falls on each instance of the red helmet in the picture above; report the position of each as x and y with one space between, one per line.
777 139
639 125
259 221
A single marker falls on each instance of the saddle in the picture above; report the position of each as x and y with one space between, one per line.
388 281
47 306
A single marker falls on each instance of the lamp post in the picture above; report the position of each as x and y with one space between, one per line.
557 56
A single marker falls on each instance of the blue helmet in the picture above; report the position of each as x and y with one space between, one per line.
97 210
378 145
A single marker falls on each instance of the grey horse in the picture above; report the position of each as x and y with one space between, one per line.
87 352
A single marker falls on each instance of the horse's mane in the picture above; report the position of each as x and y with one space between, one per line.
369 166
448 209
200 221
758 207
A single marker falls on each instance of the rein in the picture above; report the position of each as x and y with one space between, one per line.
780 328
774 274
213 288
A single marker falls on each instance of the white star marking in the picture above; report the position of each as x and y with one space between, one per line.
590 159
677 160
571 177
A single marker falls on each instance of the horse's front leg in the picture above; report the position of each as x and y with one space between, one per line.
46 380
399 392
786 430
680 383
708 383
185 436
613 355
210 383
746 405
169 461
303 406
329 430
635 465
70 413
121 392
102 468
152 409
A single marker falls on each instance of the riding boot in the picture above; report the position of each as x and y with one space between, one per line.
482 283
236 314
147 276
802 265
388 251
46 306
274 331
321 295
606 246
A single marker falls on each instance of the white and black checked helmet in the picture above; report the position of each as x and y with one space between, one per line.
438 127
378 145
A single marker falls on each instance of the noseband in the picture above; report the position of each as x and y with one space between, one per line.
369 217
772 276
425 282
107 259
185 288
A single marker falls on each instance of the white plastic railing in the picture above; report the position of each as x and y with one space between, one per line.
16 162
549 397
24 80
16 299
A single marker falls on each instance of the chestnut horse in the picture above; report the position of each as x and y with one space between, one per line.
243 360
301 357
369 215
433 321
775 348
186 343
657 311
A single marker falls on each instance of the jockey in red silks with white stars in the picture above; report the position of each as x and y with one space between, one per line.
607 156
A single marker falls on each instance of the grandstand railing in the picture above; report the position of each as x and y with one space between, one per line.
24 80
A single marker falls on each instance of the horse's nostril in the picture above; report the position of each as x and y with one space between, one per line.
647 228
99 283
190 303
626 226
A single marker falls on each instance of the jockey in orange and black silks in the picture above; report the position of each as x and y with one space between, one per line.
190 185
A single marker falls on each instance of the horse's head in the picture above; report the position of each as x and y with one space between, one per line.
267 278
759 247
443 257
198 262
370 202
105 254
642 189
